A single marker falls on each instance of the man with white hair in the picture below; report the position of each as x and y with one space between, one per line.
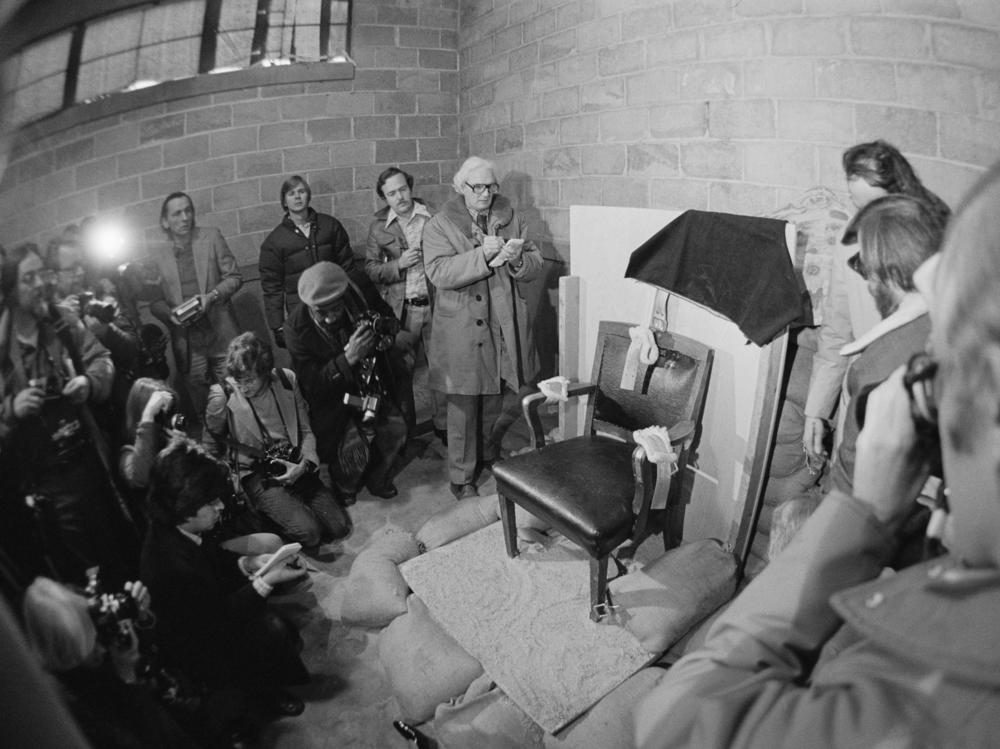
477 257
921 666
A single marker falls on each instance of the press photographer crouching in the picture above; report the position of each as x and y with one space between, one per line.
98 647
259 419
356 377
53 370
214 622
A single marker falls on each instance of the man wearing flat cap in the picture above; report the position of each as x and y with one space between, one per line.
343 347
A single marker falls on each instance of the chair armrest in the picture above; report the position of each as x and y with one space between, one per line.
533 401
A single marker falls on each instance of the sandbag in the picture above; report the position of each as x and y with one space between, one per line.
375 591
609 723
670 595
459 520
423 664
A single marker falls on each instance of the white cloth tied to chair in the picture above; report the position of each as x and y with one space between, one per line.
555 389
643 350
656 442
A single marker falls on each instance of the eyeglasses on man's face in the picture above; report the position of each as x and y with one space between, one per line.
43 276
479 188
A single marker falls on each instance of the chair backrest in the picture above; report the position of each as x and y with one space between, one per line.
664 394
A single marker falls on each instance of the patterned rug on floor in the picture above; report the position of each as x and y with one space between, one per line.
526 621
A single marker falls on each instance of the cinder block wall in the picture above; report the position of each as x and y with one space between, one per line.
722 105
232 150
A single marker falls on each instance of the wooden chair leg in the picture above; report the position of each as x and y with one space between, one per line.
509 525
598 588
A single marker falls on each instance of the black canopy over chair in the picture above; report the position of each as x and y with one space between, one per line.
596 489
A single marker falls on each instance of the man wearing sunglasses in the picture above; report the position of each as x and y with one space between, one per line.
921 666
481 351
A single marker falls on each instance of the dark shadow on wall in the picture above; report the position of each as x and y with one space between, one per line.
543 295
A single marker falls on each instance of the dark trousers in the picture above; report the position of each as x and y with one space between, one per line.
305 512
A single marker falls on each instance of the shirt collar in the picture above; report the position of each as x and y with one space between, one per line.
193 536
419 209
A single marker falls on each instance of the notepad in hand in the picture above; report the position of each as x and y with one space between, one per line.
279 558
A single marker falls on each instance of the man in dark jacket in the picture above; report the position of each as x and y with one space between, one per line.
303 238
212 616
340 351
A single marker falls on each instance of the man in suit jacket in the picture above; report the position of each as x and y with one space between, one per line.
395 263
196 262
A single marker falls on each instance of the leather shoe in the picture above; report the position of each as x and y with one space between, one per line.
385 491
464 491
285 705
411 734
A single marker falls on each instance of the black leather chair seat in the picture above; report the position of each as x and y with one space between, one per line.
583 487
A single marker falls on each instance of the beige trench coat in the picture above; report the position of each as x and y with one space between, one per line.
474 303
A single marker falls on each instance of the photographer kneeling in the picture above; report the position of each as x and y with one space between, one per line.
260 418
213 618
357 379
922 667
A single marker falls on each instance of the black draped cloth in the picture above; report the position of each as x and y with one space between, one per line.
738 266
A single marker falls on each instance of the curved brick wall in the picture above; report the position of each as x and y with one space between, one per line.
723 105
231 150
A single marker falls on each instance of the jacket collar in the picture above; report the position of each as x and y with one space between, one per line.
936 612
419 209
287 220
910 308
501 214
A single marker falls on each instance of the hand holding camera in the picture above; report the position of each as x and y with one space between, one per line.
189 312
77 390
890 469
29 401
360 344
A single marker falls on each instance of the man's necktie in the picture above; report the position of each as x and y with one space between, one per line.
481 223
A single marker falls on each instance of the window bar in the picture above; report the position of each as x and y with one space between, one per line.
258 47
73 65
324 29
209 36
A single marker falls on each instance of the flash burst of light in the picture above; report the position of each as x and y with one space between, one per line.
107 241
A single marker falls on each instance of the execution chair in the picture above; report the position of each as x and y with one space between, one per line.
596 489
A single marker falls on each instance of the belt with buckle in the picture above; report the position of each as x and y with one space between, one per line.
421 301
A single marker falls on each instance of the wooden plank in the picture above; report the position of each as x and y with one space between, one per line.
570 415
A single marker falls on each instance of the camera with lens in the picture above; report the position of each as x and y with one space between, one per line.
367 403
384 327
270 465
174 421
111 613
188 312
51 386
102 309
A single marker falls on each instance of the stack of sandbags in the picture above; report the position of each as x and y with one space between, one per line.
661 602
423 664
375 591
